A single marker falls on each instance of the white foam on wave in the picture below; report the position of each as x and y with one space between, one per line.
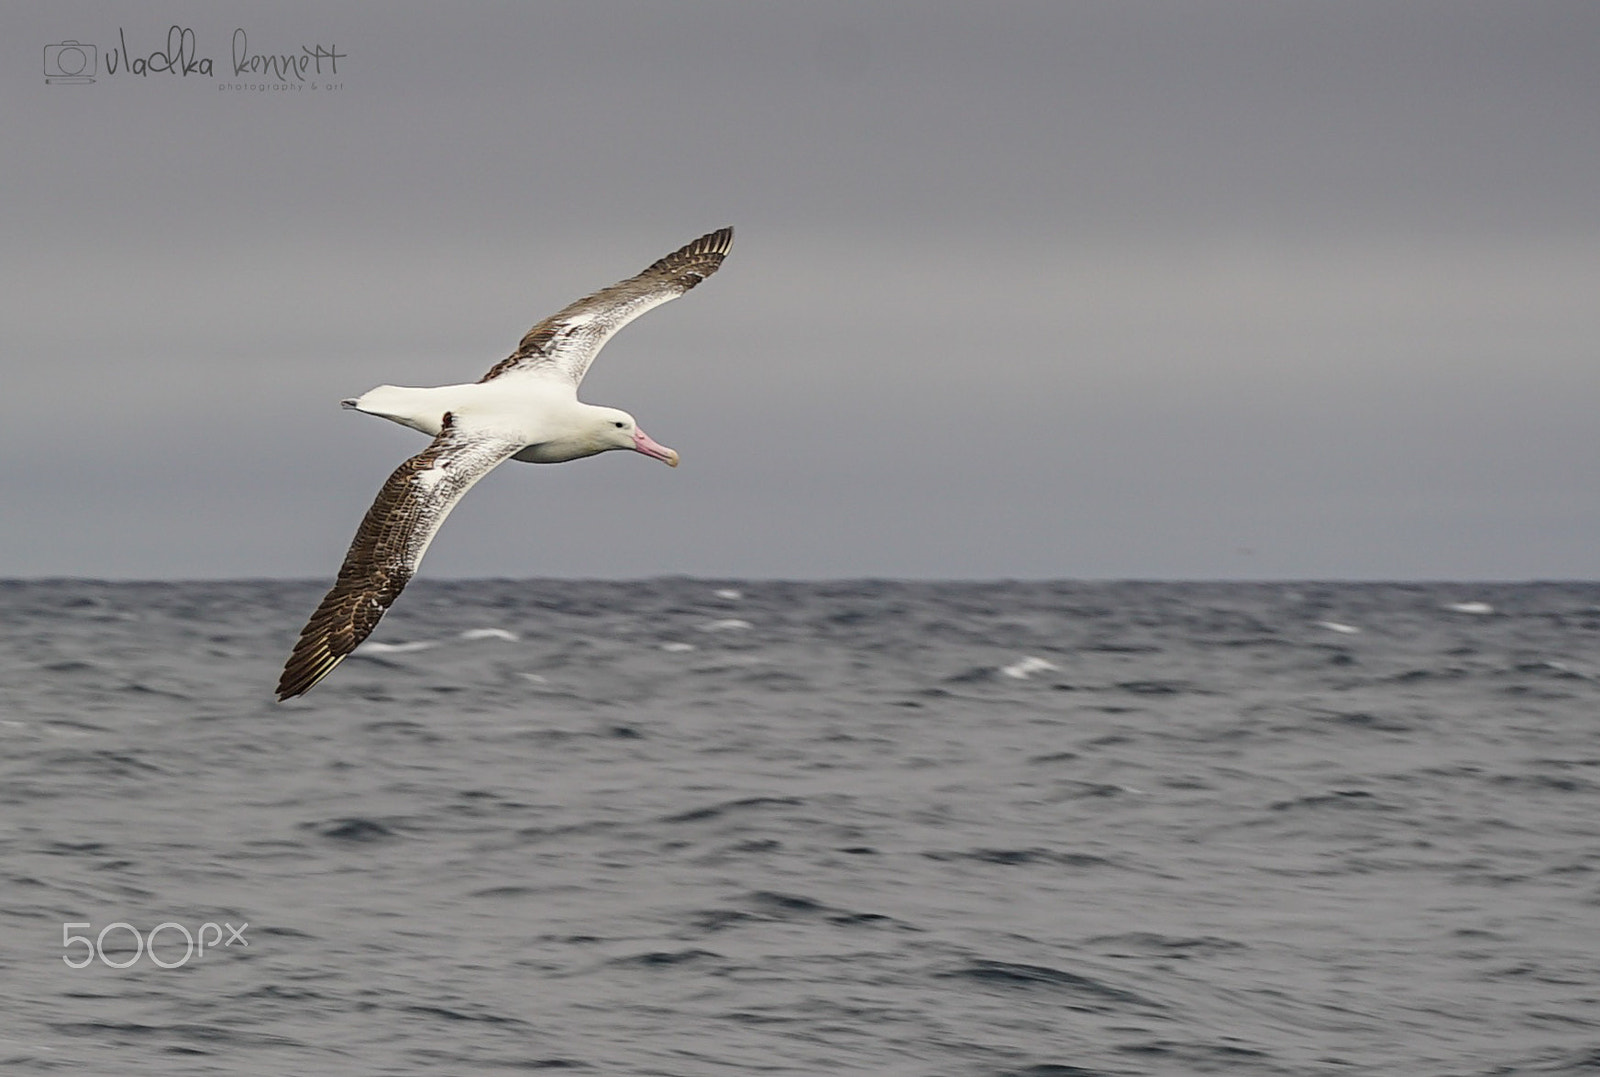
728 593
1475 608
1027 667
728 624
1336 626
489 633
674 647
397 648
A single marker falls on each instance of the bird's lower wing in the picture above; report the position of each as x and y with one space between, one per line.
564 344
389 546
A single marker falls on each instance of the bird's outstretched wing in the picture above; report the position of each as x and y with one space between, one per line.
564 344
389 546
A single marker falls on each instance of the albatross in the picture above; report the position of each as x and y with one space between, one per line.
525 408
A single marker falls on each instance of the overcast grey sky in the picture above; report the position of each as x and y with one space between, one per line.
1064 289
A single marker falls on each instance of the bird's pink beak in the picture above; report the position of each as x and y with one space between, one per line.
647 445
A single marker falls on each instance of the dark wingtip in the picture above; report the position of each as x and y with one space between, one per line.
717 242
695 261
305 670
292 683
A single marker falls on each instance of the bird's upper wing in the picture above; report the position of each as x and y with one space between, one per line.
564 344
389 546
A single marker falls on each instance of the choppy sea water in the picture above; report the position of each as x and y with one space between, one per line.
692 827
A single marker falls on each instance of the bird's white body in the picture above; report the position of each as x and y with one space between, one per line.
544 414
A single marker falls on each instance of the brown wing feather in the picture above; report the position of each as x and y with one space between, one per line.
387 549
567 342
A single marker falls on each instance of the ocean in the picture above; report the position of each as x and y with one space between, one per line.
707 827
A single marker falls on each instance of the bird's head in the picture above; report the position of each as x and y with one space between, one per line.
616 429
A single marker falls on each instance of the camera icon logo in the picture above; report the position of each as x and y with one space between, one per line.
70 62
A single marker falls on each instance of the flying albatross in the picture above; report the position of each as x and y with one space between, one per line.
525 408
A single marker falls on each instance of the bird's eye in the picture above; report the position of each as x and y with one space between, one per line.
621 425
